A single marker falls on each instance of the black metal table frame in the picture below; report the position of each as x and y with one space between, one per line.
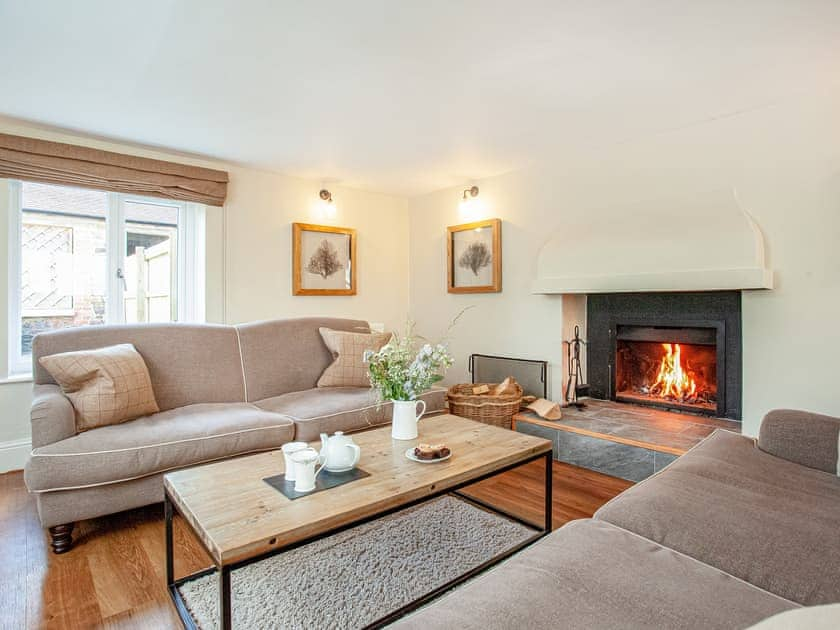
225 571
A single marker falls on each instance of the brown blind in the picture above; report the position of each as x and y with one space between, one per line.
71 165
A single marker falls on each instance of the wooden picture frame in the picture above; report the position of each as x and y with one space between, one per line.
474 248
329 250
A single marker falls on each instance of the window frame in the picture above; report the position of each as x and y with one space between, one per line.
18 364
190 273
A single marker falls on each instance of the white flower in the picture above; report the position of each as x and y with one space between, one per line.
399 370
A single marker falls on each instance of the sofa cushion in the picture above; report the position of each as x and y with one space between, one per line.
329 409
758 517
106 386
287 355
348 368
590 574
188 363
152 444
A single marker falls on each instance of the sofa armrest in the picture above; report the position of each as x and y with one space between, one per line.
52 416
802 437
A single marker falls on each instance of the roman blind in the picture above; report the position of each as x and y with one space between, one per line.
58 163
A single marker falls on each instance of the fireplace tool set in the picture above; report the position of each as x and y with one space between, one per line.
575 387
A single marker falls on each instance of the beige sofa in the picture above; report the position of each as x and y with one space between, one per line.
732 532
222 390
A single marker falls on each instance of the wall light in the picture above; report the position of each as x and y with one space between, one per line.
470 207
327 206
469 195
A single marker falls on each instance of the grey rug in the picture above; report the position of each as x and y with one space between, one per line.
358 576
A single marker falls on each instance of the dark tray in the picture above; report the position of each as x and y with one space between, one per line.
324 481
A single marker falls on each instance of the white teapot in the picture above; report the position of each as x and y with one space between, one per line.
339 453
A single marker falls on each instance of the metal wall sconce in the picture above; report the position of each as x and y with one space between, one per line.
469 204
327 208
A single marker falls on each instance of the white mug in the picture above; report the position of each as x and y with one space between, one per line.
405 418
304 462
288 448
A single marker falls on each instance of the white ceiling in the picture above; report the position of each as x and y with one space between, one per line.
398 96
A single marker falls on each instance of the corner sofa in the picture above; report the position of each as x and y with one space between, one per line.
222 391
732 532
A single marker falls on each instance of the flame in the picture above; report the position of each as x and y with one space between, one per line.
673 381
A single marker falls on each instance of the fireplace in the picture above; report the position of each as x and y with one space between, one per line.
667 366
678 351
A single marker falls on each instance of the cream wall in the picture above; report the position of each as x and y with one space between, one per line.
248 259
512 323
260 210
784 161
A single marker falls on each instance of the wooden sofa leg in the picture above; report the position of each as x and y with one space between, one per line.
62 537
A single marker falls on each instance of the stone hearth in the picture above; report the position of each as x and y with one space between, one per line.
619 439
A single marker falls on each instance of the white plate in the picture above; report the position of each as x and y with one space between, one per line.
410 455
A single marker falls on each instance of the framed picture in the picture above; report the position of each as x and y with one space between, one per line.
474 257
323 260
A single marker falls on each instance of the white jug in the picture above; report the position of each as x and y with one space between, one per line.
288 448
305 461
404 418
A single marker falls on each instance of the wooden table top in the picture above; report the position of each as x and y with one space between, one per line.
238 516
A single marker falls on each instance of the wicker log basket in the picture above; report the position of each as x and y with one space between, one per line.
488 408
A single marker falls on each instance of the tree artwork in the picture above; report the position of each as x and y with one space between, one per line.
475 257
325 261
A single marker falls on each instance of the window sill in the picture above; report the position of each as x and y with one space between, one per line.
16 378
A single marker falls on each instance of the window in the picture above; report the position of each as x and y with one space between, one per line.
80 257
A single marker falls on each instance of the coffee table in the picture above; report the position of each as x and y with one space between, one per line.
239 519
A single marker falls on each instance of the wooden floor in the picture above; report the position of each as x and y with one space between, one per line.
114 576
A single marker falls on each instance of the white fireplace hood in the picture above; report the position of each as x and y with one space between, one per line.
706 243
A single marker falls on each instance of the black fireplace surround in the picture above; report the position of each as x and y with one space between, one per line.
712 317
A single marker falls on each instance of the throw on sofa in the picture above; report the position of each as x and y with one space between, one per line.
222 391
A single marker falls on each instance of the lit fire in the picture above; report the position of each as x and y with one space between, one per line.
673 381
